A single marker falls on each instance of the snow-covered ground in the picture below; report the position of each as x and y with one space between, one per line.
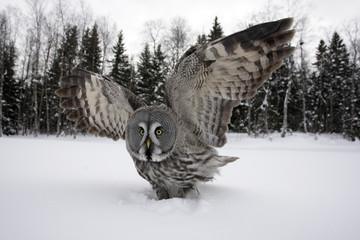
293 188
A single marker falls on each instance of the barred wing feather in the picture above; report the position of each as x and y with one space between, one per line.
210 80
99 105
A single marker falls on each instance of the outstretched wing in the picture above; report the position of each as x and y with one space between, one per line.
99 104
210 80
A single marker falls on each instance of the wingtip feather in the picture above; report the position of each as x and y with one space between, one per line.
285 23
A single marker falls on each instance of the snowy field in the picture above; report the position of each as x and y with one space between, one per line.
284 189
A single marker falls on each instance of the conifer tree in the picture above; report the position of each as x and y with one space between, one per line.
339 73
11 88
288 108
151 74
145 85
121 70
84 48
201 39
321 90
216 31
63 62
91 50
70 49
160 71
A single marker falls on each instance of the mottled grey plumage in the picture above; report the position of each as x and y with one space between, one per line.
173 146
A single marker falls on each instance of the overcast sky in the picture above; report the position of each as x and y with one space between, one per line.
130 16
326 15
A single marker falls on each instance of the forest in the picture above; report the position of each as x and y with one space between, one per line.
318 95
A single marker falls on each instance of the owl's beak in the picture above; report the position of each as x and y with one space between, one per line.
148 143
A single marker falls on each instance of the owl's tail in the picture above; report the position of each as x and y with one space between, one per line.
223 160
212 167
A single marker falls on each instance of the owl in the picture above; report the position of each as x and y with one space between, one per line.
173 145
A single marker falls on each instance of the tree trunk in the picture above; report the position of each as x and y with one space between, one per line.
304 86
266 111
352 103
45 87
36 119
249 117
331 112
58 124
3 32
285 116
1 97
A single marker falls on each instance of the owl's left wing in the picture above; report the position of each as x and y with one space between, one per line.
99 104
211 79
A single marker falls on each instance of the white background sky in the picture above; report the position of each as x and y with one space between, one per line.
130 16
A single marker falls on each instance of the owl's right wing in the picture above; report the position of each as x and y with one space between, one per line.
99 104
211 79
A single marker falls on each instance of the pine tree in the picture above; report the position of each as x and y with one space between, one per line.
216 31
121 70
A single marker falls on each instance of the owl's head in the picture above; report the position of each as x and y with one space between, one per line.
152 133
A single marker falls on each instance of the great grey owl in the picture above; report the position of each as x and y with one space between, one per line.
172 145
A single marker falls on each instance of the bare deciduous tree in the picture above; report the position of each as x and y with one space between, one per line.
177 39
154 32
37 19
107 32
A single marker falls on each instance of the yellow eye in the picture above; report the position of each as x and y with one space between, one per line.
141 131
158 131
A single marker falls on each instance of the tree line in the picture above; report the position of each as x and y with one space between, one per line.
317 97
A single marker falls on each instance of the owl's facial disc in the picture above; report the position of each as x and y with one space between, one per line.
150 145
151 135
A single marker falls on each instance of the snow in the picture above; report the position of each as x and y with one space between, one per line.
300 187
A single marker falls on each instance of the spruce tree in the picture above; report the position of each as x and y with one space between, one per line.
201 39
160 71
339 73
121 70
151 74
91 50
355 101
286 102
11 89
70 49
9 95
145 85
84 48
62 64
216 31
321 90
